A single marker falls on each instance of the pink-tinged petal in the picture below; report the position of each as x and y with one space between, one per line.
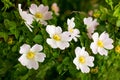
110 46
102 51
50 30
78 51
40 57
66 36
76 31
87 21
95 37
23 60
63 45
75 61
52 43
58 30
36 48
70 23
24 49
94 48
43 22
84 69
90 60
104 36
75 39
33 8
107 41
32 64
43 8
47 15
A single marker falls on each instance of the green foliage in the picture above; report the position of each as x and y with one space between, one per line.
58 64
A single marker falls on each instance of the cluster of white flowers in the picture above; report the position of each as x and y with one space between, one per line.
60 39
39 13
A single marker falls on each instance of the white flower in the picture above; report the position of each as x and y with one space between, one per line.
82 60
101 43
57 38
55 8
28 18
74 33
91 25
40 13
31 56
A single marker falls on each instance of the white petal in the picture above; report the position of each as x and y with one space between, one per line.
102 51
50 29
32 64
52 43
108 43
40 57
58 30
23 60
90 60
33 8
70 23
24 49
95 37
94 47
63 45
43 8
85 69
87 21
66 36
77 51
75 61
36 48
104 36
47 15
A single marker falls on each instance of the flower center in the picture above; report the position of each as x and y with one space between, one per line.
100 43
38 15
56 37
30 55
82 59
71 30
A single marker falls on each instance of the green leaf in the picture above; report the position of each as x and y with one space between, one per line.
10 24
4 35
118 23
110 2
38 39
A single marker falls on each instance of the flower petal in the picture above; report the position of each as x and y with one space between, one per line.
77 51
95 37
84 69
94 47
33 8
24 49
50 30
32 64
40 57
102 51
63 45
52 43
23 60
36 48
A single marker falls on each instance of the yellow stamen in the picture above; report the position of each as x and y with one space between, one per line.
82 59
38 15
100 43
30 55
71 30
56 37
